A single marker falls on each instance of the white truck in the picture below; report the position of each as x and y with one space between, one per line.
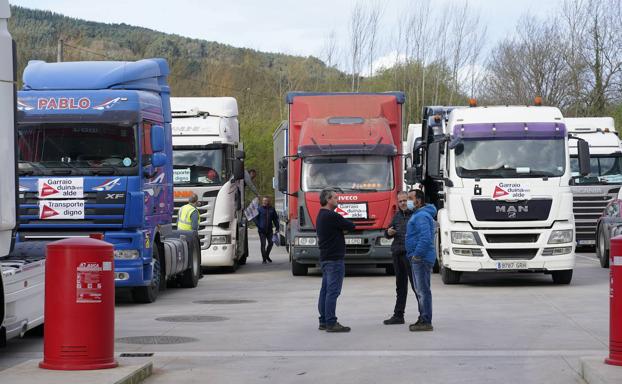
592 193
22 276
500 177
206 153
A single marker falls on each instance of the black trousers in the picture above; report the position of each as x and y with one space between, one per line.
265 250
402 276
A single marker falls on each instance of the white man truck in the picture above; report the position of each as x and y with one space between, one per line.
207 161
21 275
500 177
592 193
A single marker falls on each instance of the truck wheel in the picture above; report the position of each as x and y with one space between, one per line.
299 269
449 277
245 254
601 249
562 277
149 294
190 277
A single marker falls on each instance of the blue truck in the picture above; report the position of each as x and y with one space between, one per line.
95 155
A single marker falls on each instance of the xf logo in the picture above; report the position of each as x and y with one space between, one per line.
114 196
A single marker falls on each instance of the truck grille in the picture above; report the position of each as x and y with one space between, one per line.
96 213
355 250
206 218
587 209
512 254
512 238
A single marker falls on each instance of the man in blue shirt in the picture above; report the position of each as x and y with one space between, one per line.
422 255
330 228
264 221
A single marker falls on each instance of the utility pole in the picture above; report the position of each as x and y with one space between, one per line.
59 51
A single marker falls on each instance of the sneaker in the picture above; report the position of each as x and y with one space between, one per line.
394 320
337 328
420 326
322 327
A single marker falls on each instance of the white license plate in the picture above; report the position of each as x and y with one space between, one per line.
354 241
587 242
503 265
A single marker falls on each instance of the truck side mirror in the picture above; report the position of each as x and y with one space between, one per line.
434 159
413 175
583 149
158 159
239 154
282 175
157 138
238 169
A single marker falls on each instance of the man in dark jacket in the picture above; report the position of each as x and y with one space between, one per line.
264 221
330 228
422 255
401 265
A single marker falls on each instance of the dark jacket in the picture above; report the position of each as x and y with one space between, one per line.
266 218
420 234
329 227
399 223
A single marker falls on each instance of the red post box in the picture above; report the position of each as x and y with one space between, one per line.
79 305
615 300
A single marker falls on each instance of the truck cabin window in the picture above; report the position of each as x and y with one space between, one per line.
79 149
199 167
503 158
350 173
603 170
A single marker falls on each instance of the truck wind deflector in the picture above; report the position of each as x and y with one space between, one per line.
347 149
510 131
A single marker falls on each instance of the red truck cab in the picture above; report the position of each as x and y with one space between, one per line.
350 142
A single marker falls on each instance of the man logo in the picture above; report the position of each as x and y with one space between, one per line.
511 210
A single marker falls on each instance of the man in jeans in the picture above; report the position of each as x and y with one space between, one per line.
422 255
401 266
330 227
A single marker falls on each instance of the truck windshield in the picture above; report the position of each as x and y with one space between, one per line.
510 158
603 170
77 149
199 167
353 173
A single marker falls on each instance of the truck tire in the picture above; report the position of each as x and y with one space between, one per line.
299 269
562 277
245 254
601 249
449 277
190 277
149 294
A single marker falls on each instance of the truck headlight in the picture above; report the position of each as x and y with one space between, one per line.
307 241
126 254
465 238
220 239
561 236
385 242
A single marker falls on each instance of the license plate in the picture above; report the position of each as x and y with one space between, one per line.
587 242
503 265
354 241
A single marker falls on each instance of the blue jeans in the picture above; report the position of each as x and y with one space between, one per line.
422 271
333 272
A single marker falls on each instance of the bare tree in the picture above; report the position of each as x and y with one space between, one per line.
358 40
373 22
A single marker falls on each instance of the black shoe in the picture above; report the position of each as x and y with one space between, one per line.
322 327
337 328
420 326
269 260
264 262
394 320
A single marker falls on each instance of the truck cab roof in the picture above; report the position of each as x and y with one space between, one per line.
205 120
505 114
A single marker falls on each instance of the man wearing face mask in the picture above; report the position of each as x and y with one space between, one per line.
401 266
421 253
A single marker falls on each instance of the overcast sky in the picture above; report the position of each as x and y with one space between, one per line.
293 27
